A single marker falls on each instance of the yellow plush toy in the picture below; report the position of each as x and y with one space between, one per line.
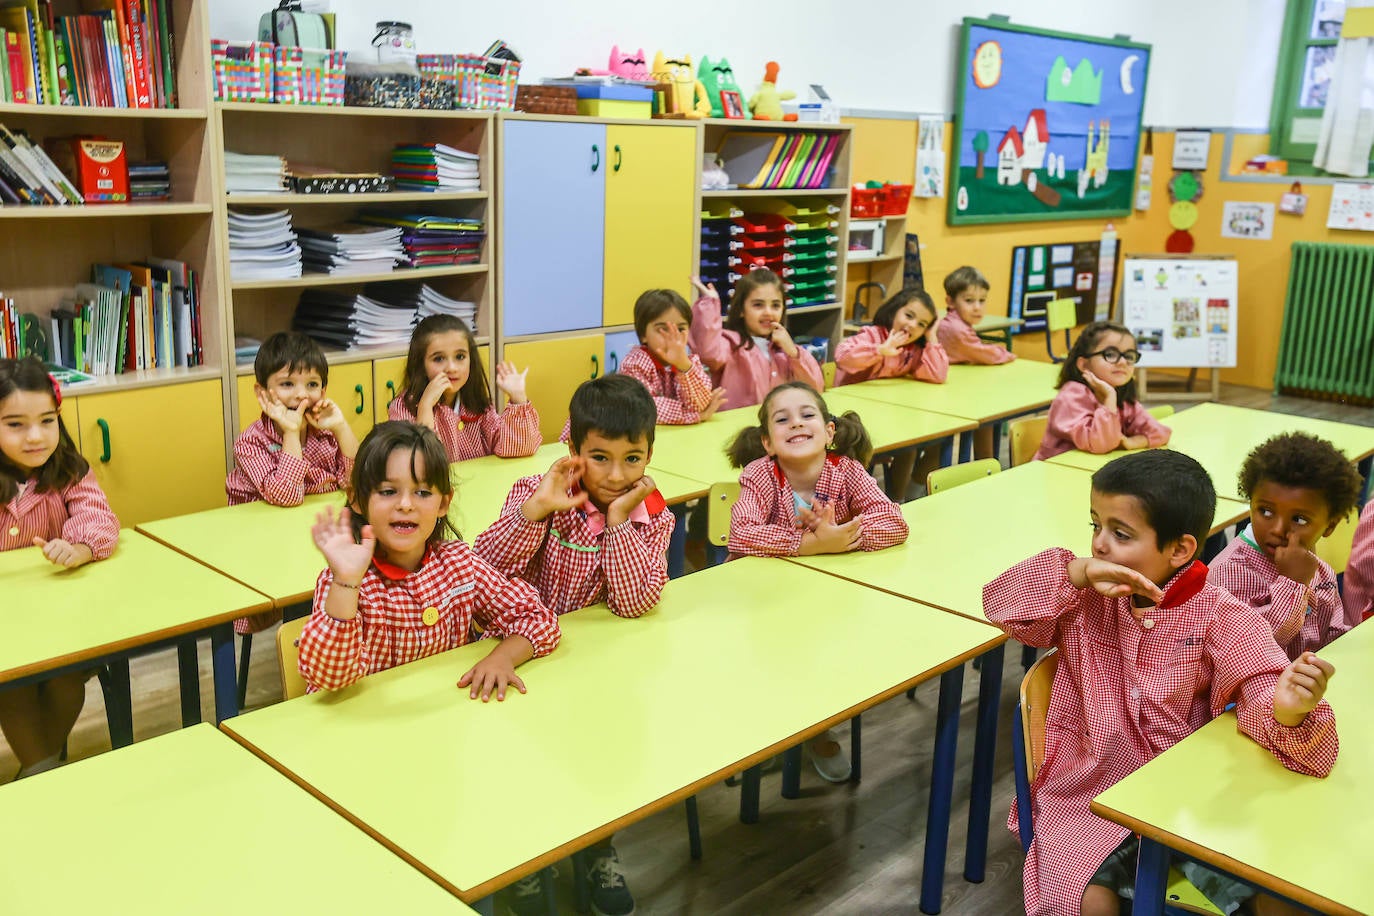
688 93
766 103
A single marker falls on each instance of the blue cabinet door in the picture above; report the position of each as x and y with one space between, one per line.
618 345
552 227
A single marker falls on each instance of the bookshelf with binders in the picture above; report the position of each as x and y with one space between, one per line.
358 308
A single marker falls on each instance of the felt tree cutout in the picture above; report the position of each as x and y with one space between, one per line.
980 146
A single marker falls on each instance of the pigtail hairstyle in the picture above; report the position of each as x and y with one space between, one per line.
734 318
65 466
889 309
474 396
1087 343
851 439
369 470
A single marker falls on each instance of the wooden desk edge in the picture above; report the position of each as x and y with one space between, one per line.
1222 861
272 603
492 885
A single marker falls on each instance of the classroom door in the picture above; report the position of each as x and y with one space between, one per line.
157 452
650 214
553 201
557 367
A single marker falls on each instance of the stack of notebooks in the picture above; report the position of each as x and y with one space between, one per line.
149 181
345 320
434 167
29 176
262 246
351 249
435 241
776 159
121 56
144 315
249 174
799 244
424 301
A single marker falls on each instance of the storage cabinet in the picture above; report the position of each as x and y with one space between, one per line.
156 451
557 367
388 378
618 346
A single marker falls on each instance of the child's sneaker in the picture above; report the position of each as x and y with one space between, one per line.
526 896
610 896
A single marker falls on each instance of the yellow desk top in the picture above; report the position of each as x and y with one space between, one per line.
963 538
997 323
52 617
893 425
625 718
1220 436
1220 797
191 823
979 393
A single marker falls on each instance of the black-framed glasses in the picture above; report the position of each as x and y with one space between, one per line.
1113 356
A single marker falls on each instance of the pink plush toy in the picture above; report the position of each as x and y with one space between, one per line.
626 65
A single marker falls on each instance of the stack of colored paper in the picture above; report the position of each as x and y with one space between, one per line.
435 241
434 167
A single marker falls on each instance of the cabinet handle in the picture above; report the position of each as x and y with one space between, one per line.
596 157
616 167
104 440
596 366
390 390
615 362
358 389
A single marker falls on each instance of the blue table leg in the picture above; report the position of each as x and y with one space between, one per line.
677 543
693 829
486 906
984 750
856 727
749 795
946 451
791 772
966 446
226 684
941 789
997 439
188 674
121 714
1151 879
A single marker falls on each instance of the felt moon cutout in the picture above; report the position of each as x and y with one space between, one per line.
1126 85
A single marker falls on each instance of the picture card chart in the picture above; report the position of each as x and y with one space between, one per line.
1352 207
1182 311
1040 274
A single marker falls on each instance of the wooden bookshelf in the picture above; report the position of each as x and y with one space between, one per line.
105 211
399 275
753 193
352 200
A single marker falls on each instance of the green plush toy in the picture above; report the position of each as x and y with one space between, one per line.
716 77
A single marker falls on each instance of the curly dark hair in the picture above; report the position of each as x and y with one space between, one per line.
1303 460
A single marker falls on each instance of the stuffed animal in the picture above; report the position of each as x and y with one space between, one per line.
766 103
688 94
718 77
626 65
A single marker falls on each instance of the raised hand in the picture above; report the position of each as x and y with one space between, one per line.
1300 688
705 292
1296 561
333 535
672 348
511 382
716 403
289 420
325 415
1113 580
1105 393
552 493
64 553
783 339
619 510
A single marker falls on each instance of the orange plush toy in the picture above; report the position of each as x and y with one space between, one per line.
766 102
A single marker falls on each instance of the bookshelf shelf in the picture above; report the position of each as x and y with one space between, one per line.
399 275
880 259
812 309
384 197
142 378
358 355
747 193
92 111
350 111
104 211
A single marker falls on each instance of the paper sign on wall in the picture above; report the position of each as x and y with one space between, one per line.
1352 207
1244 220
1182 312
930 158
1191 148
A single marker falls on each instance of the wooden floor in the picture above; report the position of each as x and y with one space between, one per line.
837 849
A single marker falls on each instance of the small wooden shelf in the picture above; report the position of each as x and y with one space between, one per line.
808 309
143 378
358 355
852 261
775 192
95 111
399 275
355 111
103 211
375 197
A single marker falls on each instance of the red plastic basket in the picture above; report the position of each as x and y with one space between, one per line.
865 202
895 198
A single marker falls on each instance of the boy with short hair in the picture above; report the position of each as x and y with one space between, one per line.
966 294
1148 653
679 384
593 528
1299 488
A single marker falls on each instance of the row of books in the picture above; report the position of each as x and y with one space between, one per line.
143 315
119 56
381 315
246 173
263 246
434 241
28 175
777 159
434 167
13 328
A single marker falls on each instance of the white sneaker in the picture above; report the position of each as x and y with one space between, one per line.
834 768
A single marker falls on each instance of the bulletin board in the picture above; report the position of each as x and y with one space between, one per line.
1041 274
1046 124
1182 311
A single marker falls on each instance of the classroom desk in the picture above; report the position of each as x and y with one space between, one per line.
1221 799
211 829
998 328
727 671
892 426
1219 436
945 562
55 620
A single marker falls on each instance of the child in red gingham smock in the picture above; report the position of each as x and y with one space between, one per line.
419 594
750 351
1148 653
1359 572
1299 488
1096 409
49 499
902 342
594 527
679 384
445 389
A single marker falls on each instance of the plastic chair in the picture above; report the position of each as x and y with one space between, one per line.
1162 411
958 474
1060 315
721 498
828 373
1025 436
292 684
1028 752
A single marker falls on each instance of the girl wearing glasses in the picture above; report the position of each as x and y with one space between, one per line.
1096 409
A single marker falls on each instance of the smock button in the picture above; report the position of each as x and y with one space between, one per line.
430 616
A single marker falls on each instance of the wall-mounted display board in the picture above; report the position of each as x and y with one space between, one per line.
1182 310
1041 274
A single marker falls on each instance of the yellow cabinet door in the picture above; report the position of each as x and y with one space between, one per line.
351 387
156 452
388 377
650 192
556 367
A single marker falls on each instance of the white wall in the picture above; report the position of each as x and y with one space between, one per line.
1213 61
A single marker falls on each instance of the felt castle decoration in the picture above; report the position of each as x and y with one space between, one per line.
1095 167
1009 153
1081 85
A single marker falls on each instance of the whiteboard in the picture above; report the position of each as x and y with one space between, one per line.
1182 311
